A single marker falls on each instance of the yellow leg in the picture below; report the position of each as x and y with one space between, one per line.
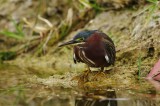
86 73
84 76
100 73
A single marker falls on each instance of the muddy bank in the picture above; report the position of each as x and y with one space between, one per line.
134 30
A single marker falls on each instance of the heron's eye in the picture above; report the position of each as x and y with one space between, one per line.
79 39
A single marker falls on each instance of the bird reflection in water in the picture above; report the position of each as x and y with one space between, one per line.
98 98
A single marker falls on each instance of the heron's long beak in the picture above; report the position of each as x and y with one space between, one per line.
67 43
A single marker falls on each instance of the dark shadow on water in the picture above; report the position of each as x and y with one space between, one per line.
106 99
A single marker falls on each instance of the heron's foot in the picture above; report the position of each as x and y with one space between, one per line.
82 78
86 73
85 76
76 78
99 75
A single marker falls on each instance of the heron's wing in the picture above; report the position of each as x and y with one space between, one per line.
109 51
80 56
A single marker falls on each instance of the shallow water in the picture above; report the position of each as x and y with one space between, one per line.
17 90
108 97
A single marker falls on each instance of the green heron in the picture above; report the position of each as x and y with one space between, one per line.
93 48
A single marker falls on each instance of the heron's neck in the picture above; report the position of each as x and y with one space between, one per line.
94 39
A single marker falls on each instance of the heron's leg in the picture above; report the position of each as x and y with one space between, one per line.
102 70
86 73
84 77
100 73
